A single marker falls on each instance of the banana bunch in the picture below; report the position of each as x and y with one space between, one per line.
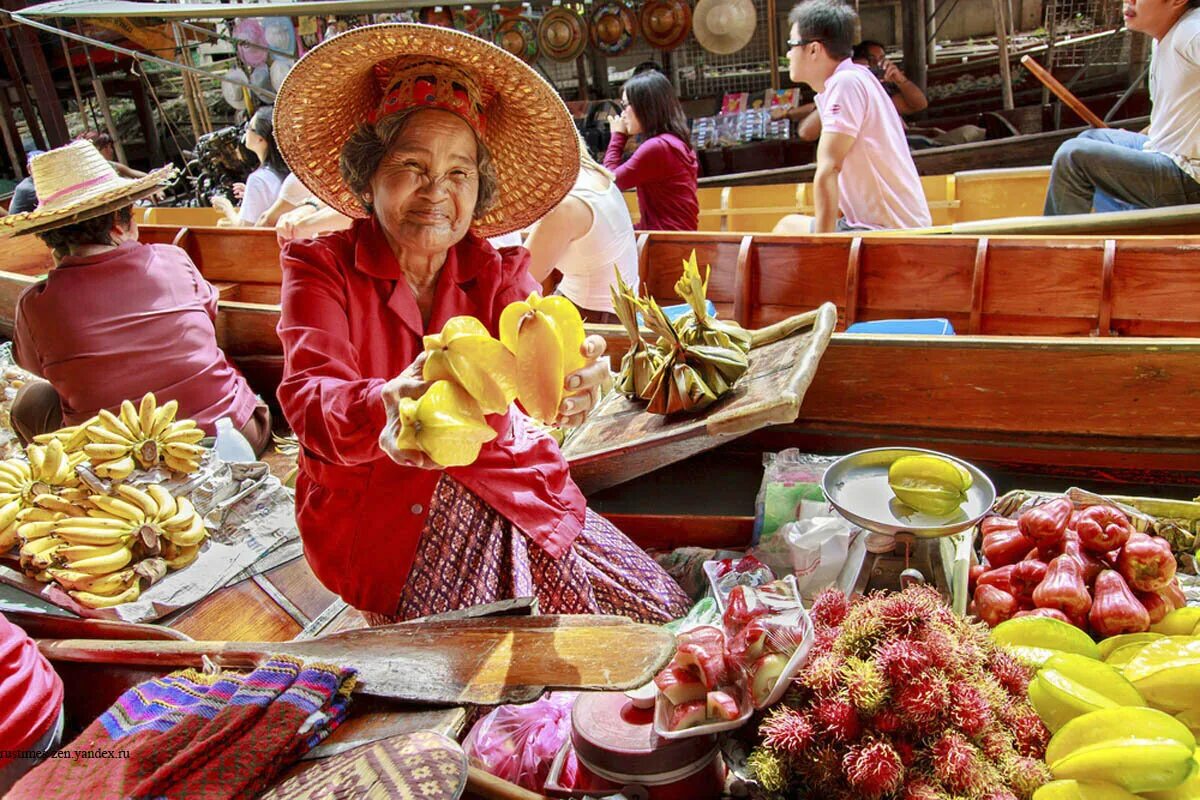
48 471
73 437
101 550
546 336
142 437
641 361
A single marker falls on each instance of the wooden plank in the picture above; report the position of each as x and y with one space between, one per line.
668 532
295 581
243 612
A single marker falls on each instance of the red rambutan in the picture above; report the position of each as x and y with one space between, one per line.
1025 775
873 769
901 659
829 608
837 718
1030 734
1000 794
908 753
886 720
921 788
824 640
997 744
822 674
969 710
924 699
787 731
1012 674
956 763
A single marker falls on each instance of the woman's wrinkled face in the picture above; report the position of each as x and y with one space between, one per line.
425 189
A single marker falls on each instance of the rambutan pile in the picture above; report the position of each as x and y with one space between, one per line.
902 699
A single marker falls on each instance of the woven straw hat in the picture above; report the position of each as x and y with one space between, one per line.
524 123
75 183
665 23
724 26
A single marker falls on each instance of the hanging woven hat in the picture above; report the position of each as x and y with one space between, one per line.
665 23
475 21
366 73
420 764
75 183
518 36
724 26
437 15
562 34
614 27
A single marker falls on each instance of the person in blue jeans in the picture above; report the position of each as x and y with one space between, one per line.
1116 169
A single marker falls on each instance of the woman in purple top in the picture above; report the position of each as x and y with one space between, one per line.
663 168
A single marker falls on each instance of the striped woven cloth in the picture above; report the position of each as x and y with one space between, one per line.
194 735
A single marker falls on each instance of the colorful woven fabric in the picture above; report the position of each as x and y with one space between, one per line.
417 766
469 554
203 737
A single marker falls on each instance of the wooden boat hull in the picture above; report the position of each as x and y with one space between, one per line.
1084 394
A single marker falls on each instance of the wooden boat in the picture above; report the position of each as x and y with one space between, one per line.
1076 353
1027 150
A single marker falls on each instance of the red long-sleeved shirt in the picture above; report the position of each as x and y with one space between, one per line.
349 324
31 693
663 170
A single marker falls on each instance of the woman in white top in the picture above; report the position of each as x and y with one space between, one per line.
584 237
264 183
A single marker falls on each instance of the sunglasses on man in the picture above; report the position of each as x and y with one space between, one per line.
801 42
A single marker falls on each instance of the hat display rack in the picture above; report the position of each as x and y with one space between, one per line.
668 32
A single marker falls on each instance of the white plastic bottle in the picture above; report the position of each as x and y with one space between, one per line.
231 445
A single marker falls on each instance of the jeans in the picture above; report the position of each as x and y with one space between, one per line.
1101 166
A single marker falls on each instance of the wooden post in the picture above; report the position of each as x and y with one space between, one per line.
189 95
773 42
141 101
600 73
87 125
31 118
1002 42
106 113
914 42
33 65
582 78
16 153
931 35
1051 7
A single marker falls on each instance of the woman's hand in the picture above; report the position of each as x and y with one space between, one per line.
587 385
291 224
618 124
239 190
410 383
221 203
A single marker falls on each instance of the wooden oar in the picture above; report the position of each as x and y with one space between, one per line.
1062 92
481 661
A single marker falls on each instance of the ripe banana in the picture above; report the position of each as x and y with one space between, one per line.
163 416
93 537
117 507
129 417
92 600
184 451
164 500
139 498
95 560
180 557
116 470
192 535
111 583
146 414
105 451
136 437
9 513
107 421
183 514
8 538
30 531
182 431
183 465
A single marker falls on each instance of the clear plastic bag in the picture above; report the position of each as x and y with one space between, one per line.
519 743
790 478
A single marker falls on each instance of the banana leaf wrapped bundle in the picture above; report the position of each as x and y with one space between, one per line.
690 377
640 362
698 327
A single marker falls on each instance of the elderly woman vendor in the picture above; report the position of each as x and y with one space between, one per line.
433 140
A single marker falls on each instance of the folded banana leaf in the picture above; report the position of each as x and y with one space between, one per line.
640 361
688 378
698 327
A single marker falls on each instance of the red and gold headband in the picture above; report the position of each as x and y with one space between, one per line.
427 83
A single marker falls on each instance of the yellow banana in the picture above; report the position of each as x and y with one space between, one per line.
100 584
15 471
29 531
183 451
47 557
163 416
187 537
184 431
108 421
78 437
52 502
139 498
117 507
183 514
183 465
37 546
44 438
92 600
37 457
146 413
9 513
8 538
180 557
37 514
92 537
116 470
96 560
129 416
164 500
106 451
101 523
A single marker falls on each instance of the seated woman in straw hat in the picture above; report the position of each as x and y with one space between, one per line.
116 318
585 237
433 140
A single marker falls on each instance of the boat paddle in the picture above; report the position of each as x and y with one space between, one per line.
1062 92
480 661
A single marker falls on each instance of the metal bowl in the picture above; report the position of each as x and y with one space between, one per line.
857 486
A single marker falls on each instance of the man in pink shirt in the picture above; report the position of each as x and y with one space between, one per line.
864 167
116 318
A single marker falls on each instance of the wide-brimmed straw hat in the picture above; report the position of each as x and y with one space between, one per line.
369 72
724 26
75 183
